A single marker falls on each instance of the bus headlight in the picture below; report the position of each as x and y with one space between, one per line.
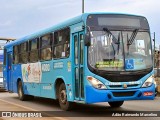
96 83
148 82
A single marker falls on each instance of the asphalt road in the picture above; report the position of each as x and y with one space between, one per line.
48 107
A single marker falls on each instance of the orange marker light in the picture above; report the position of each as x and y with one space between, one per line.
147 93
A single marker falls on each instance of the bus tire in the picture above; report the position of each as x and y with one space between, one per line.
21 94
62 98
116 104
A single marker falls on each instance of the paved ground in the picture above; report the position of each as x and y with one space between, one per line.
10 102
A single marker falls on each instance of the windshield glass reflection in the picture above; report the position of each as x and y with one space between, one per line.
129 50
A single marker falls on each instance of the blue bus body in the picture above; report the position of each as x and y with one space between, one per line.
47 74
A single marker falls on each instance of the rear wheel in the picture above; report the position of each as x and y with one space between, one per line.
21 94
116 103
62 97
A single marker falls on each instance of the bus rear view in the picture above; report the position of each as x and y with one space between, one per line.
2 43
119 59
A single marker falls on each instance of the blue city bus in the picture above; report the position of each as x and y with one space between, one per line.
3 41
95 57
1 71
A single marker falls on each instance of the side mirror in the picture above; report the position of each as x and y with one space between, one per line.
87 40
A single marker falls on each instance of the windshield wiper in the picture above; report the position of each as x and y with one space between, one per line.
109 32
131 39
133 36
114 40
118 44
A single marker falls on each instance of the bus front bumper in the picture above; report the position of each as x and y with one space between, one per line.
95 95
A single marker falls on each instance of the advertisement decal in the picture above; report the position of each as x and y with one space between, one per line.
31 72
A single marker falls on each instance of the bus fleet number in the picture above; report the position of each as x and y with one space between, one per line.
45 67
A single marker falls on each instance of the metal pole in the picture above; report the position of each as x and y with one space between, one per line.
82 6
158 64
154 50
154 40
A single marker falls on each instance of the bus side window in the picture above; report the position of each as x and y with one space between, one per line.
16 54
45 47
62 43
33 50
24 52
66 48
5 55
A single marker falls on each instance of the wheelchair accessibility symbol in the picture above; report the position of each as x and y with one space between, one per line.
129 64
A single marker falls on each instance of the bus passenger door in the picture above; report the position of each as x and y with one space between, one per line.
9 72
78 65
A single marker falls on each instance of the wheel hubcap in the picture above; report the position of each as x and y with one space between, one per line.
63 97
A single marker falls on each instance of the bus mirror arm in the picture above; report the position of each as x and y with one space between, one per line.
87 39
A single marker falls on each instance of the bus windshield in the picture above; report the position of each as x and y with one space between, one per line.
126 52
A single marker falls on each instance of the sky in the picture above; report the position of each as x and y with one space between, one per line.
19 18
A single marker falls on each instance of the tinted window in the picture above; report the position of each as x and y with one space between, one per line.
46 40
16 54
46 49
23 52
34 44
61 43
115 21
33 51
5 54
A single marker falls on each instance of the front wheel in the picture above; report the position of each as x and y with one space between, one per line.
116 103
62 95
